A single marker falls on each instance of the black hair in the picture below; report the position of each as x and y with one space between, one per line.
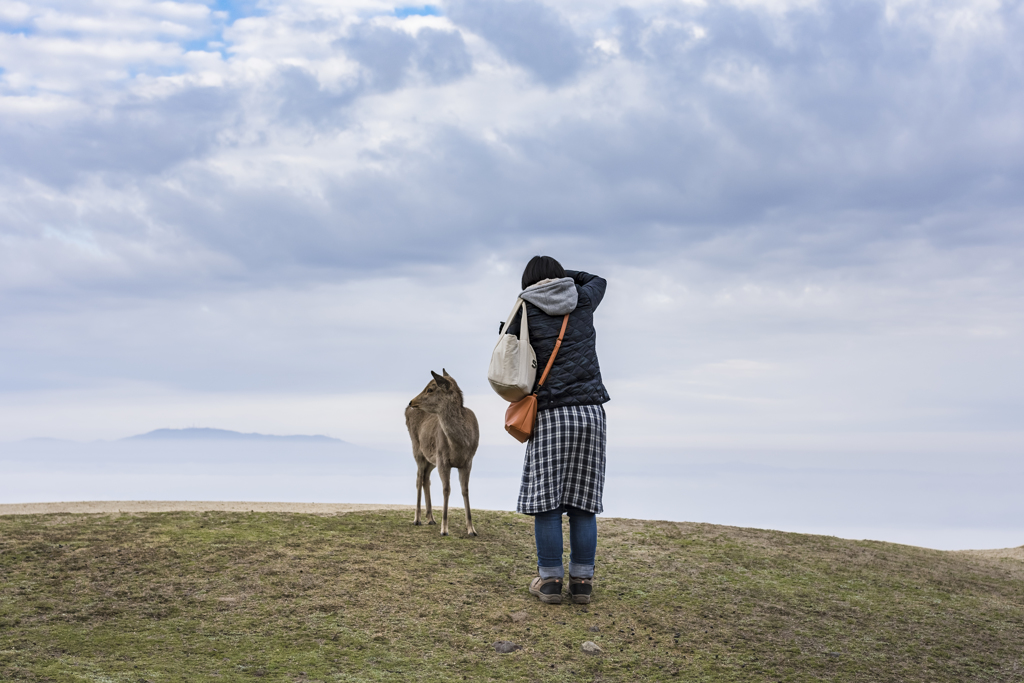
542 268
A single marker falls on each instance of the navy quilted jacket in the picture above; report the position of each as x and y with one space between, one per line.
575 377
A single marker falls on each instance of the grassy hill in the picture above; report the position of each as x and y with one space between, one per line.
369 597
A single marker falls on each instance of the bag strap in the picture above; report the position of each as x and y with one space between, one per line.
511 316
558 345
524 328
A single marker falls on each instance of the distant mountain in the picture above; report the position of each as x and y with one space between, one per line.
206 434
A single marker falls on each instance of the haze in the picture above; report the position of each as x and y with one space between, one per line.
278 217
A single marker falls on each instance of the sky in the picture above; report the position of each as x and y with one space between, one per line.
280 216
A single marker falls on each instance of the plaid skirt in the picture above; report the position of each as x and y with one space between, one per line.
565 461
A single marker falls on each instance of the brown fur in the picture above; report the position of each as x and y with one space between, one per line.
444 435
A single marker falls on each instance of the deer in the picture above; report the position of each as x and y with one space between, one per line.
444 434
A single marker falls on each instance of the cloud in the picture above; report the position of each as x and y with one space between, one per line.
827 190
443 55
389 53
137 136
528 34
302 98
385 52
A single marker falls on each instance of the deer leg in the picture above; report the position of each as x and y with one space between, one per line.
419 492
428 468
446 486
464 482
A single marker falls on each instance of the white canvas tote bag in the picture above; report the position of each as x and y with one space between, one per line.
513 367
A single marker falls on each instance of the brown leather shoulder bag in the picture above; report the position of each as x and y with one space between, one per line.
521 415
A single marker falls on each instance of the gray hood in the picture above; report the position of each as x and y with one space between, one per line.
554 297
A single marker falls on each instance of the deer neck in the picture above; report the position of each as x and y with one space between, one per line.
453 424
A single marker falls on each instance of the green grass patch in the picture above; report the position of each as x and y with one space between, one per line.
369 597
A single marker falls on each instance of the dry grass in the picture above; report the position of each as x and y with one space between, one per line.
368 597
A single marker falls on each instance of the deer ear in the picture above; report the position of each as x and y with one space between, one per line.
441 381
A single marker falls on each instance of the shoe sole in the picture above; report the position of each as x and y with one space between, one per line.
554 599
580 598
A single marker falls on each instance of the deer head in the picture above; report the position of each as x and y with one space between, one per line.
442 391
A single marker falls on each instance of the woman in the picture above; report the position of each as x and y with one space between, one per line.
565 457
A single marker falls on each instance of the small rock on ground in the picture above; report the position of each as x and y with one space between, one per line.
591 648
506 646
518 617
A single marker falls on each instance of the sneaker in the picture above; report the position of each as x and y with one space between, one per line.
547 590
580 590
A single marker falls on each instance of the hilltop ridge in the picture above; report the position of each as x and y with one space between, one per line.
367 596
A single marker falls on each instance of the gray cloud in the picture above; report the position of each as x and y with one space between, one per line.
389 54
527 33
442 55
302 99
385 52
388 57
135 136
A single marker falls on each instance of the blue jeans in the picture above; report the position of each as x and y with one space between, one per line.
547 529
